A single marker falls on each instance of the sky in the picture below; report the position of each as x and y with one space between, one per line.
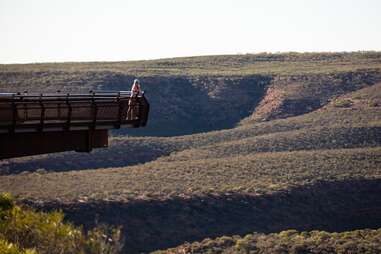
120 30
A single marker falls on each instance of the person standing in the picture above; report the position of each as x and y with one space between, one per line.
133 105
135 89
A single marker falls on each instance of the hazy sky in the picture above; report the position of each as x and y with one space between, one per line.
95 30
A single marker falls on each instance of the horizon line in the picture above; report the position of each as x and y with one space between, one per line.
194 56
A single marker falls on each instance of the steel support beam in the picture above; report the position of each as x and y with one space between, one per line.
25 144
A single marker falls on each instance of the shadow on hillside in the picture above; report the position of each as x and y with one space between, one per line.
183 105
114 156
154 224
131 152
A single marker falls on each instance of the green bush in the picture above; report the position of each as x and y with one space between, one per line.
372 103
10 248
48 233
6 202
342 103
290 241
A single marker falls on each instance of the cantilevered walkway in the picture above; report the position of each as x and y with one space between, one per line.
43 123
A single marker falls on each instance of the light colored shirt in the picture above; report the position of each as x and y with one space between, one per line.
135 90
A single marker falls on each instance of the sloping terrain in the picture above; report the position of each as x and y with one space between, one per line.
355 125
274 142
198 94
262 173
290 241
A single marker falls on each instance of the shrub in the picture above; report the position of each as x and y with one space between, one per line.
6 202
342 103
10 248
372 103
48 233
293 242
242 245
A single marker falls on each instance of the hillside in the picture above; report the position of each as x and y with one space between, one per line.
199 94
291 241
219 65
356 126
235 144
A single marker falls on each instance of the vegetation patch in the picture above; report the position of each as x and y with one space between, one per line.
26 231
274 142
373 103
253 173
343 103
153 224
289 241
200 94
227 65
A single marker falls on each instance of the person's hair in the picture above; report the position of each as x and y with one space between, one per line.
136 81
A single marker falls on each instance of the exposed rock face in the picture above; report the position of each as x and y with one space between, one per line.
299 94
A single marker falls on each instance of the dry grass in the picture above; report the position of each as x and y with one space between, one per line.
255 158
328 128
290 241
254 173
199 94
284 63
300 138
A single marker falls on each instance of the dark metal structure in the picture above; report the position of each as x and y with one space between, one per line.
43 123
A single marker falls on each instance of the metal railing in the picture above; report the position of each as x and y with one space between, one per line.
28 112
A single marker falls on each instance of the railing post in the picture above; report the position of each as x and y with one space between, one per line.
120 108
14 114
42 115
69 111
94 109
